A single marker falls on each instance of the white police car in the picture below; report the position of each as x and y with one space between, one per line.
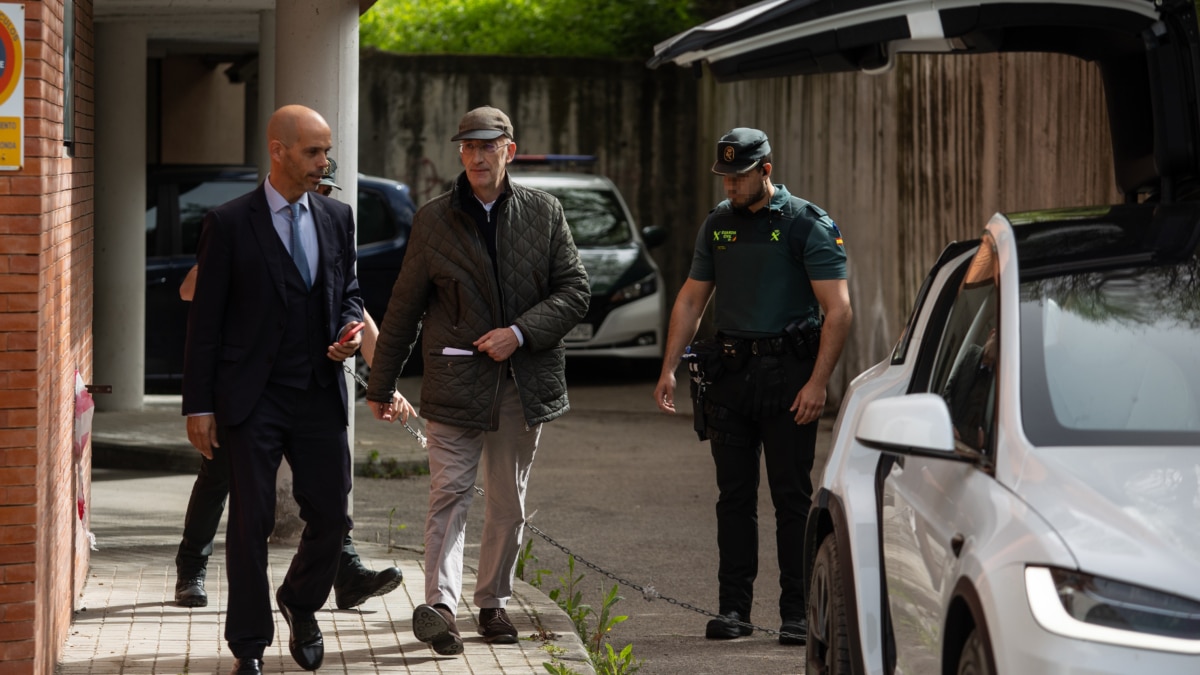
627 314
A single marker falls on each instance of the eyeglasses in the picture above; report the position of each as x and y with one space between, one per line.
488 148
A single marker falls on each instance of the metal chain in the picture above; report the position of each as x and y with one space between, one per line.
415 432
649 593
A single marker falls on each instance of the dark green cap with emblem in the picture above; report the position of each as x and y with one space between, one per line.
740 150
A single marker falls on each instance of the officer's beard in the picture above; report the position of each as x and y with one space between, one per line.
753 199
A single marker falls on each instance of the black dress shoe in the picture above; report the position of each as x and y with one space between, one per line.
246 667
364 584
189 592
793 632
724 628
306 644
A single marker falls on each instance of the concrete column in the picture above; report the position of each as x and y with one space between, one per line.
266 91
316 65
119 306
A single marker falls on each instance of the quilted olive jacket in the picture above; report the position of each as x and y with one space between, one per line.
447 291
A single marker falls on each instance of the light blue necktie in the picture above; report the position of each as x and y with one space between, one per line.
298 253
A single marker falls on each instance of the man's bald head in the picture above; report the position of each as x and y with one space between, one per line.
285 123
298 140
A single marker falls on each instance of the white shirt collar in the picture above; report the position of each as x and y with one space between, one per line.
487 206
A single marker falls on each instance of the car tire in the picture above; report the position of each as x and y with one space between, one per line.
975 658
828 651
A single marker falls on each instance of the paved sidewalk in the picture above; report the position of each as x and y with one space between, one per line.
128 623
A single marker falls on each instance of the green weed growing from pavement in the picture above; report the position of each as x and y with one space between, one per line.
570 598
605 659
614 663
606 619
391 543
526 558
557 667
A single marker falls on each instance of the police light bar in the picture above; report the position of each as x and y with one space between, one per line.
554 159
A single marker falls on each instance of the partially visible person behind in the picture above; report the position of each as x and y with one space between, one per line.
493 281
777 267
326 186
263 380
354 583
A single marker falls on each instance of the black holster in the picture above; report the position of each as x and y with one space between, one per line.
699 421
703 359
804 338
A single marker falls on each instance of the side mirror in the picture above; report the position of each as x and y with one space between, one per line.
654 235
916 424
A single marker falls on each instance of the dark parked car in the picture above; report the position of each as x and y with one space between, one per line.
178 197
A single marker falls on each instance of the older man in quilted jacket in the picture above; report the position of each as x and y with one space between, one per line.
494 281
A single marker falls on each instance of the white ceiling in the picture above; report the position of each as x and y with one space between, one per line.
194 26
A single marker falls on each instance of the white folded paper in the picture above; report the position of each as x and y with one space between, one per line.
451 351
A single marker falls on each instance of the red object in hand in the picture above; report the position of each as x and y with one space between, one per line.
351 333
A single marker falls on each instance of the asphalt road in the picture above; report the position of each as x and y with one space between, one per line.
633 491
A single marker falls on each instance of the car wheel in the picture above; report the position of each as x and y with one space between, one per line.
975 658
828 651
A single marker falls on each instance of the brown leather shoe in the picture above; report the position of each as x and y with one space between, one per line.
495 626
435 624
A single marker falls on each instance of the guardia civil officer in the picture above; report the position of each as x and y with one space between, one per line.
777 266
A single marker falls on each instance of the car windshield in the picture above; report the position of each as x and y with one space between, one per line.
594 216
1112 357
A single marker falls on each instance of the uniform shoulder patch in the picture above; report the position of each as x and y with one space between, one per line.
837 233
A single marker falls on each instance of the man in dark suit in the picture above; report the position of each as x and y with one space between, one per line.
275 295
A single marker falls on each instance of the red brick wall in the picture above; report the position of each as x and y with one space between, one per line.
45 335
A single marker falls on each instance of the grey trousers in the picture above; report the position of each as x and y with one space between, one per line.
454 457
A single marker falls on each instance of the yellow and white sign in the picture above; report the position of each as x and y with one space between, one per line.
12 86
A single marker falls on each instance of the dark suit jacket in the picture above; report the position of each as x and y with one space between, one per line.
238 313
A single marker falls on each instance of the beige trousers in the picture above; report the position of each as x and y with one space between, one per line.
454 457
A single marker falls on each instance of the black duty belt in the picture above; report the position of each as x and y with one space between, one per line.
768 346
772 346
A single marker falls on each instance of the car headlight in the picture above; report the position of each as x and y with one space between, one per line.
1088 607
638 289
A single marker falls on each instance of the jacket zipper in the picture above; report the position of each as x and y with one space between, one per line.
499 297
504 320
